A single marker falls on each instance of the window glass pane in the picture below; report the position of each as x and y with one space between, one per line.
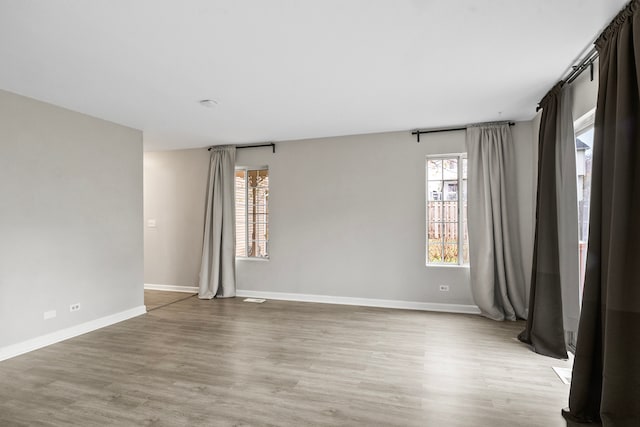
435 190
241 206
464 215
450 169
584 161
252 212
444 196
465 253
450 212
450 253
450 190
434 212
435 252
434 169
465 231
451 232
464 192
434 231
257 214
259 178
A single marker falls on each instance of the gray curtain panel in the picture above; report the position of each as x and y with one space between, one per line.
218 268
605 387
545 325
495 258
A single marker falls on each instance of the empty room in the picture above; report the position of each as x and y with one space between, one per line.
319 213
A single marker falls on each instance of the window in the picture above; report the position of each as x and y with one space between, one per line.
584 159
447 240
252 212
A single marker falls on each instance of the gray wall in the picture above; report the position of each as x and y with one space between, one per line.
527 164
175 183
70 216
585 92
347 217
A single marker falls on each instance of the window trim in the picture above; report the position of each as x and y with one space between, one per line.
246 169
584 122
460 222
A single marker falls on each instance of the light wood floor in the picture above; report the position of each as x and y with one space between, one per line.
157 299
230 363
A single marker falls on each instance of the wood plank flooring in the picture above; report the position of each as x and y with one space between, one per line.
231 363
156 299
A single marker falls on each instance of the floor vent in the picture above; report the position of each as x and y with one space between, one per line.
256 300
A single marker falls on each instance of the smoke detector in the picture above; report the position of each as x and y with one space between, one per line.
208 103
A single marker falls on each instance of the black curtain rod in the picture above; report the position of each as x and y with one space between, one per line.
271 144
418 132
586 62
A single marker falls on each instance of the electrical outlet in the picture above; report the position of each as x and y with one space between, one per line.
49 314
444 288
74 307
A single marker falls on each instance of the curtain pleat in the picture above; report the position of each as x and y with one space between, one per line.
218 268
605 386
545 327
495 258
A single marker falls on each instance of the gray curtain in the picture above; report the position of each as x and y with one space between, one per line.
605 386
554 306
496 267
218 268
545 324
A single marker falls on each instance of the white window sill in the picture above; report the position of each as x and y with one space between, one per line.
246 258
447 266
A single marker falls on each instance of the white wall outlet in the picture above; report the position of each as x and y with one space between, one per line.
151 223
49 314
74 307
444 288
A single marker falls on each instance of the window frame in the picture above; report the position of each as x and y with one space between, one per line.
584 122
246 170
460 222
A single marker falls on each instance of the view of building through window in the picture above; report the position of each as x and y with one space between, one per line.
584 160
252 212
447 240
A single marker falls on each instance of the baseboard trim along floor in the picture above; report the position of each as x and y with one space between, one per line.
366 302
171 288
14 350
328 299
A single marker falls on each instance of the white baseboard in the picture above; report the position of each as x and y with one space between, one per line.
14 350
366 302
171 288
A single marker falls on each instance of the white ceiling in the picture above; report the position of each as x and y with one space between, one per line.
287 69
